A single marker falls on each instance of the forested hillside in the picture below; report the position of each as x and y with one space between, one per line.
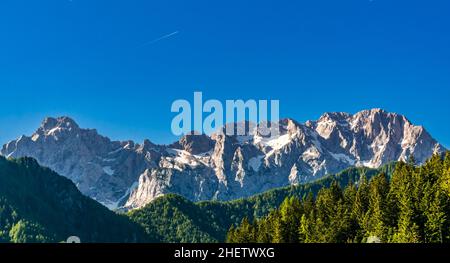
397 203
176 219
38 205
411 207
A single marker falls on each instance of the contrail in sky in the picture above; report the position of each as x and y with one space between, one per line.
160 38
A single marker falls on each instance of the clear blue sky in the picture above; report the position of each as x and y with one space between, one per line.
98 61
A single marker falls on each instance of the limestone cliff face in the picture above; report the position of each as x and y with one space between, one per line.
222 167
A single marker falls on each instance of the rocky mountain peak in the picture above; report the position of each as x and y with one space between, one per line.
55 127
334 116
243 128
148 145
219 166
372 112
60 122
376 116
195 143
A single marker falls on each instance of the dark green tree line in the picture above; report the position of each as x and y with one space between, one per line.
411 206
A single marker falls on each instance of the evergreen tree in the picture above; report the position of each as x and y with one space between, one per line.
27 232
265 233
359 209
245 233
231 235
290 212
376 224
413 206
435 218
407 229
445 178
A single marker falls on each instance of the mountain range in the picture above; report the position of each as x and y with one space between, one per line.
39 206
221 167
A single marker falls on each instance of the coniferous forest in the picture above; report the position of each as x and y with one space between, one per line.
410 206
398 203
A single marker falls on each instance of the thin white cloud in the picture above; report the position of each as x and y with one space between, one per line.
159 39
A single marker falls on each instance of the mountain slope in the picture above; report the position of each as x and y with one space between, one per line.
38 205
177 219
221 167
410 206
101 169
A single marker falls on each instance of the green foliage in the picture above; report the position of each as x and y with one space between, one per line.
37 205
445 179
411 206
27 232
404 203
176 219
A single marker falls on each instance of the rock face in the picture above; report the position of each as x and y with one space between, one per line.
222 167
101 169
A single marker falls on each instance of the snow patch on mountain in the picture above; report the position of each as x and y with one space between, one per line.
343 158
221 167
108 170
255 163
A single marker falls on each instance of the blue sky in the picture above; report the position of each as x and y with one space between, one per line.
101 62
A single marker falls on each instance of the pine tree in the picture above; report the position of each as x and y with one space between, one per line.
231 235
445 178
306 229
375 220
435 218
407 229
308 203
245 233
291 212
359 209
265 232
349 200
412 207
27 232
332 215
